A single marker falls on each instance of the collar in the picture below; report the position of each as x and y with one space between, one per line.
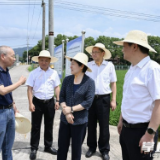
39 69
103 62
143 62
2 70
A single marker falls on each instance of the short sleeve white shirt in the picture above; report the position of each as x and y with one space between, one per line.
141 88
43 82
102 75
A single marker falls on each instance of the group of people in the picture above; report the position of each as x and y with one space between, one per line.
86 97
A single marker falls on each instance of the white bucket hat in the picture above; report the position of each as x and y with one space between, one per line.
46 54
102 46
82 58
22 124
137 37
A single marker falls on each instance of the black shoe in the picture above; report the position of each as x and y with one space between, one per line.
105 156
33 155
89 153
51 150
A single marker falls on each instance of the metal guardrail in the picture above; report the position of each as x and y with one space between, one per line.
121 67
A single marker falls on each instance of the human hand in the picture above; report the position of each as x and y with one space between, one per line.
113 105
69 118
32 107
22 80
15 109
56 106
146 138
119 127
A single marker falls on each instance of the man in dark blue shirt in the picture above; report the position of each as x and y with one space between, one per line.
7 105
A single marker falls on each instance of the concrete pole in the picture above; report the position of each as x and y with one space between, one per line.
27 51
66 44
66 51
62 58
83 38
17 58
43 25
51 30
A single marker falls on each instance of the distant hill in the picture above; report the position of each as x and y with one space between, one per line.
20 51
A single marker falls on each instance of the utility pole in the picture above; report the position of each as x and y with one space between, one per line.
27 50
66 54
83 38
62 60
43 25
51 30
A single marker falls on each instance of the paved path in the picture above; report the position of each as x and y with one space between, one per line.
21 145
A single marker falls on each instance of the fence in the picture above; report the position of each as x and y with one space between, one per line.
121 67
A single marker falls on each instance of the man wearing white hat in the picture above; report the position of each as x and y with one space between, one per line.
140 107
42 83
103 73
7 105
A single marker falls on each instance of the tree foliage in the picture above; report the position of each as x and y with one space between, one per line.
115 50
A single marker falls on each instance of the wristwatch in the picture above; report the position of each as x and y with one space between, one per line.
150 131
57 100
72 111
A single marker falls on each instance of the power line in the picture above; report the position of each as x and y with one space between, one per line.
106 11
109 14
103 8
98 10
32 16
28 19
37 25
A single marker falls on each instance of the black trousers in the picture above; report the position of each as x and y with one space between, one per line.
46 109
129 140
99 111
74 132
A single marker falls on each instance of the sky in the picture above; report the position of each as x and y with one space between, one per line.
21 22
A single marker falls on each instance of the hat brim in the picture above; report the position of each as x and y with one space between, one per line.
53 59
136 42
69 58
107 52
23 125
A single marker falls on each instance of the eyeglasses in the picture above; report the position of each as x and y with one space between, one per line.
95 52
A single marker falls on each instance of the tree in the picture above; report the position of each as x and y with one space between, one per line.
115 50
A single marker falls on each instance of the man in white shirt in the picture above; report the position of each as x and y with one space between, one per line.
42 82
103 73
140 108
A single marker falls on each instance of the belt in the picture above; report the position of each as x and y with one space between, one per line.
137 125
101 95
42 100
6 107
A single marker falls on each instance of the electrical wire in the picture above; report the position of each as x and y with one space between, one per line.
36 25
32 18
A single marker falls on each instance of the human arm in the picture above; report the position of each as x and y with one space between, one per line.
86 103
5 90
66 110
57 91
114 92
154 124
120 124
152 84
30 97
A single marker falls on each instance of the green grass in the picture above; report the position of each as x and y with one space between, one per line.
114 115
30 68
